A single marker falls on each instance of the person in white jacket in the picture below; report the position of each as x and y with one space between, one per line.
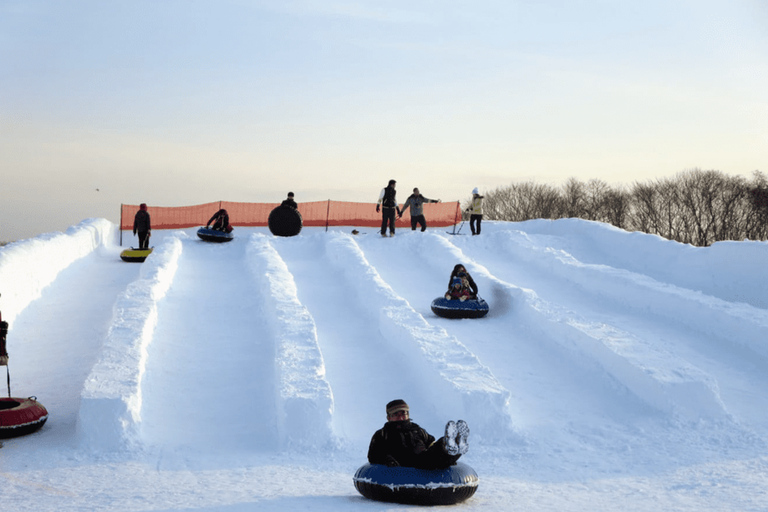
476 212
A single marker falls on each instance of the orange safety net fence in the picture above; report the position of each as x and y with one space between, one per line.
316 213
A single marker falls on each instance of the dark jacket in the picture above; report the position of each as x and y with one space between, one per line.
387 197
402 441
141 222
290 202
220 220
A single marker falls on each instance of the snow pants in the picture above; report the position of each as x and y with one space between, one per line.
418 219
474 223
143 239
387 217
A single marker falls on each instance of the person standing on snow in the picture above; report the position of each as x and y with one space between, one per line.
404 443
476 212
387 205
141 225
416 202
290 202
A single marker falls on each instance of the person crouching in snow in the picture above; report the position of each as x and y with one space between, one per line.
220 221
404 443
458 290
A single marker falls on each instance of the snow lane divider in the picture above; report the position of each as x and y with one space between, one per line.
737 323
27 266
110 411
305 399
459 377
654 375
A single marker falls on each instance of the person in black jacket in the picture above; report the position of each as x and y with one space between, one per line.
142 226
461 272
404 443
220 221
387 205
290 202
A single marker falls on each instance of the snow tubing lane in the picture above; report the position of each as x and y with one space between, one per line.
20 416
214 235
285 221
135 255
415 486
470 308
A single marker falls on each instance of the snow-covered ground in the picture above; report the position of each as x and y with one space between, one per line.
615 372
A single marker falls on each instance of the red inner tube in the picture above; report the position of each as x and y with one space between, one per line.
20 416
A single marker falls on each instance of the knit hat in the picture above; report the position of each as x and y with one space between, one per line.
475 190
456 280
143 206
396 406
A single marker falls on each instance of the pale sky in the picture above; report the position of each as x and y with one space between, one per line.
185 102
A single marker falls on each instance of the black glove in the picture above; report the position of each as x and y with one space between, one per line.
392 462
398 212
378 209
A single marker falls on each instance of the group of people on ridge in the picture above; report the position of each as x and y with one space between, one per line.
387 205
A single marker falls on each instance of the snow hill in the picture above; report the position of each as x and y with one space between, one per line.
615 371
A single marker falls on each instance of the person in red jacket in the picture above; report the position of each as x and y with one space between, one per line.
404 443
459 290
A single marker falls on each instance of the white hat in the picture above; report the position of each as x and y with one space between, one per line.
475 191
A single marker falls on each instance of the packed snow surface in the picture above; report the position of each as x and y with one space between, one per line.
615 371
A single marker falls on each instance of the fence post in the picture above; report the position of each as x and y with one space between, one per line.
327 215
120 226
456 217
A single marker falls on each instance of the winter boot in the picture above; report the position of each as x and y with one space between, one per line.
462 439
450 440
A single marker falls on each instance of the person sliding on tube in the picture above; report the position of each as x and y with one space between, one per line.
458 290
404 443
461 272
220 221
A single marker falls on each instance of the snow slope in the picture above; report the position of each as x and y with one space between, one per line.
615 371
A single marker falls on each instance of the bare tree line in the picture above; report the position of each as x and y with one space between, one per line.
695 207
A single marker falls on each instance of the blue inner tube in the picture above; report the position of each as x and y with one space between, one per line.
469 308
416 486
214 235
